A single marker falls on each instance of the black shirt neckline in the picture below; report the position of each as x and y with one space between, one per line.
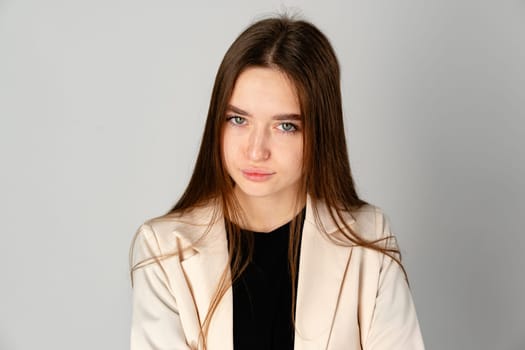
262 295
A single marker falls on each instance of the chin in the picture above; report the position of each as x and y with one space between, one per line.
259 190
255 193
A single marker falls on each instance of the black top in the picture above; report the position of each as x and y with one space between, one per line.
262 296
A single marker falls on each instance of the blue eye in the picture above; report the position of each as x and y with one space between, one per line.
287 127
236 120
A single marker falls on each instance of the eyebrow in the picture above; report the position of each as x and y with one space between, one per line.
286 116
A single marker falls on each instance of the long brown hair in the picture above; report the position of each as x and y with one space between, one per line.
302 52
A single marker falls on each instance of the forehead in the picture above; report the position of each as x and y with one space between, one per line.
262 90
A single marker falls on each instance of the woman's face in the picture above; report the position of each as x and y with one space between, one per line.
263 136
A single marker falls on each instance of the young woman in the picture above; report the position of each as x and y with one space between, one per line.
270 246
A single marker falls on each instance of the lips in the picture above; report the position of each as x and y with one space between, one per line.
257 174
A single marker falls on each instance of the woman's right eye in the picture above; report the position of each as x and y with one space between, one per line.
236 120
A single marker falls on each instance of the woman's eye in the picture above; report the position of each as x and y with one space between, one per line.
236 120
287 127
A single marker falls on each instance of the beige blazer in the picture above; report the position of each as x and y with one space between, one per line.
347 298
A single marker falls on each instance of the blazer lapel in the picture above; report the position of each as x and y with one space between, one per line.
203 263
322 270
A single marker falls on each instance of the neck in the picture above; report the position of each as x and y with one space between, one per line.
265 214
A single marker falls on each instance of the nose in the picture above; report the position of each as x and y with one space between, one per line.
258 145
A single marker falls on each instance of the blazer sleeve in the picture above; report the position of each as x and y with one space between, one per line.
394 324
155 323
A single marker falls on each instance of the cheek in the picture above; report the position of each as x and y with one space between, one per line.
228 147
296 157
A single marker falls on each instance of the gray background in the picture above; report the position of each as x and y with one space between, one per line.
102 105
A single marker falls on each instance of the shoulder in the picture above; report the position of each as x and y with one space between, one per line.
371 222
367 221
158 236
373 225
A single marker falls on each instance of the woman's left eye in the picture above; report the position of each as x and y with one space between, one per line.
287 127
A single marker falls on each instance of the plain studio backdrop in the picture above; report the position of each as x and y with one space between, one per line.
102 106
